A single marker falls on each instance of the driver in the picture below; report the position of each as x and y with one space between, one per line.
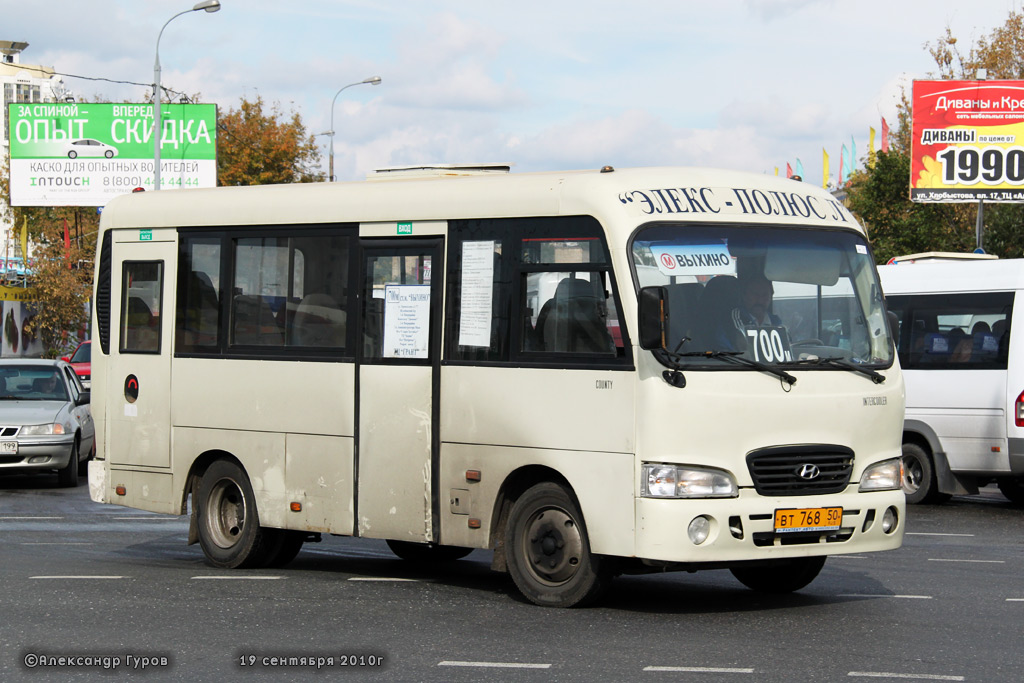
756 293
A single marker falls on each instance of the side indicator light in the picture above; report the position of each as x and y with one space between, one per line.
472 475
296 507
120 490
474 523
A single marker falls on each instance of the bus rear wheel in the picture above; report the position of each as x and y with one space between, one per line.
1013 489
782 576
548 550
229 526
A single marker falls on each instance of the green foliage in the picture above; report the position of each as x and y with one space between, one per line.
896 225
879 195
259 148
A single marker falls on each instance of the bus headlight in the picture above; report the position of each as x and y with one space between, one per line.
883 476
674 481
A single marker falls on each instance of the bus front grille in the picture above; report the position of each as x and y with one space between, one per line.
800 470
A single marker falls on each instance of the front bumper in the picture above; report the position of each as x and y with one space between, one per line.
743 528
42 453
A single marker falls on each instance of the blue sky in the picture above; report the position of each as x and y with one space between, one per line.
742 84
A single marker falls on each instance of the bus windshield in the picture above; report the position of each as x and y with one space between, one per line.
774 295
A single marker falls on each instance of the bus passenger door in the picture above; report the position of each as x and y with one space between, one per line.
139 370
398 370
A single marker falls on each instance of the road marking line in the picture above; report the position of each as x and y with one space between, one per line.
927 533
382 578
699 669
848 557
872 595
78 577
152 519
1014 599
925 677
1 518
57 543
939 559
236 578
497 665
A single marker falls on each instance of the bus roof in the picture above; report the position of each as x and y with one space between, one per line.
627 198
953 276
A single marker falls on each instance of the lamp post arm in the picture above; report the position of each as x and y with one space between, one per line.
373 80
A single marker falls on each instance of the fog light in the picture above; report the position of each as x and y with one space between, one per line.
889 520
699 529
38 459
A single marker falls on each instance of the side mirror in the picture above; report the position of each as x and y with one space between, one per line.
83 399
66 359
894 327
653 317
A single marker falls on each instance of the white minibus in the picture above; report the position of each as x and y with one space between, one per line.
551 366
965 394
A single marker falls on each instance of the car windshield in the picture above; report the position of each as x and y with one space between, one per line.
31 383
774 295
83 354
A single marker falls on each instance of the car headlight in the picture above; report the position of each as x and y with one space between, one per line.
42 430
674 481
883 476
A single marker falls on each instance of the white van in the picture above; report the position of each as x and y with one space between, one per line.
964 424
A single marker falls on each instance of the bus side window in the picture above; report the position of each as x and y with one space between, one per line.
142 287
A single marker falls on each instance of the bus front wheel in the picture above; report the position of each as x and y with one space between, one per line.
229 526
548 550
919 480
783 576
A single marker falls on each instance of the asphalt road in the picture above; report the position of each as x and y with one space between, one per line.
118 594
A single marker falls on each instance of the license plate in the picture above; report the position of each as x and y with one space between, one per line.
8 446
808 519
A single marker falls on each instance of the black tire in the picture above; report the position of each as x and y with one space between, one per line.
67 476
109 154
285 546
72 154
83 466
427 552
229 525
919 481
782 576
1013 489
548 552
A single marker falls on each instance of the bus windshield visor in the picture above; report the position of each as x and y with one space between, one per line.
774 295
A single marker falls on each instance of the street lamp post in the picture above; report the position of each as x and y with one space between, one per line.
373 80
158 127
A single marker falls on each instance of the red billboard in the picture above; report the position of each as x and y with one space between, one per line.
967 141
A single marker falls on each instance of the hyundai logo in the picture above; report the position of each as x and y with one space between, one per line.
808 472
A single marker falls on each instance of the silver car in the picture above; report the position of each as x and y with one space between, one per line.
45 421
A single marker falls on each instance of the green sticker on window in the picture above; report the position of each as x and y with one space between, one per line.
405 228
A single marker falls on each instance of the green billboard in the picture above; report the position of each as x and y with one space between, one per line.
85 154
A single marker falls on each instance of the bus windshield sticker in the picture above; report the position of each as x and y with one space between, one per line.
693 259
406 321
477 293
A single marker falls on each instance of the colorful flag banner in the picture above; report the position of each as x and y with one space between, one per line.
824 166
885 136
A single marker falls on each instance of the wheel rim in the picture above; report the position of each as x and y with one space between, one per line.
225 518
913 474
553 546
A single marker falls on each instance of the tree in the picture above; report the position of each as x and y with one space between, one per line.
257 148
897 225
880 196
62 278
63 293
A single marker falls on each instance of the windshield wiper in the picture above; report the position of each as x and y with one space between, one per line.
839 362
737 358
